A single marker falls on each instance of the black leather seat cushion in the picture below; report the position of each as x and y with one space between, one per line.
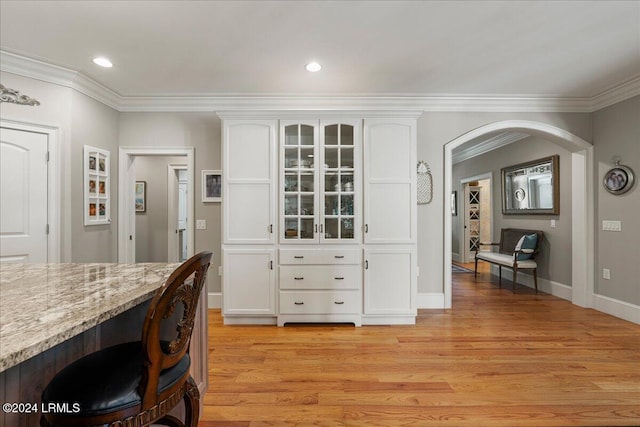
108 380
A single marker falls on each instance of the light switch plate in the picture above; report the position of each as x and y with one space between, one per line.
611 225
201 224
606 273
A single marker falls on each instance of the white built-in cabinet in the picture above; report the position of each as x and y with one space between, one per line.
319 220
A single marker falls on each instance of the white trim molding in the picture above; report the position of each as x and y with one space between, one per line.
617 308
431 300
214 300
582 201
126 211
40 70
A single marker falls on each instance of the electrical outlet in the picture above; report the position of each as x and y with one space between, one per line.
606 273
201 224
219 270
553 223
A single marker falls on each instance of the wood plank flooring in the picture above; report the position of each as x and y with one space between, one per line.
495 359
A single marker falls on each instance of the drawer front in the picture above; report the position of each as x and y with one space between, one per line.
320 302
320 277
320 256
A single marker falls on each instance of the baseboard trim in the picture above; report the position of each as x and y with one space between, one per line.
214 299
431 300
456 257
617 308
556 289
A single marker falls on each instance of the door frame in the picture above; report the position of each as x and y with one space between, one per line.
54 216
582 202
461 186
126 196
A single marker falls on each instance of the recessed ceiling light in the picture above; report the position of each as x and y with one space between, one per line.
103 62
313 67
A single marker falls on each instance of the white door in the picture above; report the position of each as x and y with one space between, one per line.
23 196
177 213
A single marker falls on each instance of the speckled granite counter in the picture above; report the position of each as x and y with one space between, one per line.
42 305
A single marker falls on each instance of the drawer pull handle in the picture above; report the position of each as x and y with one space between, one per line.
339 256
298 303
299 278
298 256
339 278
338 302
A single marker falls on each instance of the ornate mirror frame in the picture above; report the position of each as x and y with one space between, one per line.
512 196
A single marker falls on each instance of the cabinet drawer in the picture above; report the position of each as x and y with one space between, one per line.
320 256
320 277
319 302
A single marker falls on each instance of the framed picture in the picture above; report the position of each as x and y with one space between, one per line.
211 186
618 180
141 196
97 180
454 203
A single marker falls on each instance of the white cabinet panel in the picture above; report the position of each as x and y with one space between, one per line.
320 277
249 223
390 181
248 201
320 302
249 145
248 284
390 281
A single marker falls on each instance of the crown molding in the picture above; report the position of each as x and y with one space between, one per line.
40 70
493 143
616 94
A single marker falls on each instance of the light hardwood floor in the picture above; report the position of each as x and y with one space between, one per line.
495 359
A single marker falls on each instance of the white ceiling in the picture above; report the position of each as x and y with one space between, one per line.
569 49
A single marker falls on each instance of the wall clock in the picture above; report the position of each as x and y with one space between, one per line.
619 179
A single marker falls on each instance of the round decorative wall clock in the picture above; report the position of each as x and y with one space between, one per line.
619 179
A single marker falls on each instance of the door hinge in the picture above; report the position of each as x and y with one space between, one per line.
47 160
47 229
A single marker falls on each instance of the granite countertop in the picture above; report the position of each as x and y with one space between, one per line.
42 305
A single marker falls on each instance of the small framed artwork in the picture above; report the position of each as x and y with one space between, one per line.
618 180
141 196
454 203
211 186
97 197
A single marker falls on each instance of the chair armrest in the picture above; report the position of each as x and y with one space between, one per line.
486 244
525 251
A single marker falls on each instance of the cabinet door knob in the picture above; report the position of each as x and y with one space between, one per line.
299 278
366 265
298 303
338 302
366 228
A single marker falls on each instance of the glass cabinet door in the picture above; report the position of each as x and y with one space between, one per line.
339 183
299 182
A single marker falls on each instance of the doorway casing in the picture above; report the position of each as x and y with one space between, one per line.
582 201
126 196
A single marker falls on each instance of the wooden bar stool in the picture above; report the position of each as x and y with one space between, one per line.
138 383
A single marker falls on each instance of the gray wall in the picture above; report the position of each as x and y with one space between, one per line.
80 120
555 258
616 132
201 131
152 239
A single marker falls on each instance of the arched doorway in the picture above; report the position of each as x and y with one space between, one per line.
582 200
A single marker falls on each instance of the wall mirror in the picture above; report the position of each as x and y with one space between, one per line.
532 187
